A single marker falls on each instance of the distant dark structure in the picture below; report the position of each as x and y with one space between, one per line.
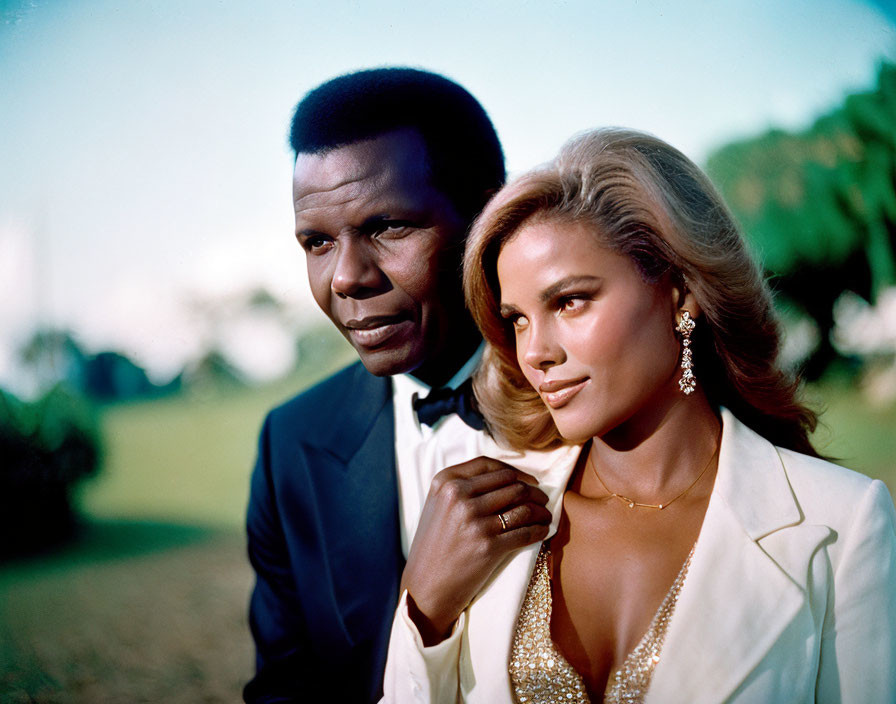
55 356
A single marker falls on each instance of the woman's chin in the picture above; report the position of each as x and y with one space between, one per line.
574 433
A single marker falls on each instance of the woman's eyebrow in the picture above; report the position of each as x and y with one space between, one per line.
567 282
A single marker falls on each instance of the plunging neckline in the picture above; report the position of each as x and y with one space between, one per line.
540 674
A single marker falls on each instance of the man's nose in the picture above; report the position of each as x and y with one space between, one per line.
356 273
542 349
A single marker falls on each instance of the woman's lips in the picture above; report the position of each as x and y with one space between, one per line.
376 330
557 394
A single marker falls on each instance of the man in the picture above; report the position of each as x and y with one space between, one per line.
392 166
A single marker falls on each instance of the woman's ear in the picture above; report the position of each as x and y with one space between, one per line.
685 300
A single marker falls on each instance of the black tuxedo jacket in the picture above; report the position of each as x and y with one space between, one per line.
324 540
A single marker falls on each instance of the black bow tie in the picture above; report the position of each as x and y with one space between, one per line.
442 402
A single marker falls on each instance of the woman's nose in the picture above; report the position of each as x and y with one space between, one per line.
542 349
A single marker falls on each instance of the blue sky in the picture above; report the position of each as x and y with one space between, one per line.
143 152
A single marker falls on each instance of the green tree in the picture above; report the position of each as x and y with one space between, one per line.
818 206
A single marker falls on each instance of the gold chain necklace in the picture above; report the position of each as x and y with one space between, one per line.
631 503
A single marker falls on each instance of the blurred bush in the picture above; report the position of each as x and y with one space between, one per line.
46 448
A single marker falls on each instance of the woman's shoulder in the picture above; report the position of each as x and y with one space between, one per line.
831 494
813 480
823 473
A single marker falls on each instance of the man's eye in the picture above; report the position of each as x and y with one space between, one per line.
316 243
393 228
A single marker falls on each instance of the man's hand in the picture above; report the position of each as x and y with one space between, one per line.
461 538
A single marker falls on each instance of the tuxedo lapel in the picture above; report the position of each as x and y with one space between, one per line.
356 492
353 415
747 579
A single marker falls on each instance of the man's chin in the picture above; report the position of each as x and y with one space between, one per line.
388 362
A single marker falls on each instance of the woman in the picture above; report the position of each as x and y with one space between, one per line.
698 548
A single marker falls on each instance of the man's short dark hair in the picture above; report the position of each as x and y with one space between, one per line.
465 157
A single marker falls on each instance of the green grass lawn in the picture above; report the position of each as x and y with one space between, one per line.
857 434
185 459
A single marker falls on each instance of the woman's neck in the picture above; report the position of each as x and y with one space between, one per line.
660 450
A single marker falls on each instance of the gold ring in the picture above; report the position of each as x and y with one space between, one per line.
503 522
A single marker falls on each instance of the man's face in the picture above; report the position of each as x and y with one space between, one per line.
382 247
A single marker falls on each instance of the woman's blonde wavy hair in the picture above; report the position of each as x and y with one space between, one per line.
646 200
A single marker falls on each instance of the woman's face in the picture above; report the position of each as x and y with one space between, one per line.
595 340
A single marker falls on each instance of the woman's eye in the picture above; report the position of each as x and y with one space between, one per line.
571 305
518 321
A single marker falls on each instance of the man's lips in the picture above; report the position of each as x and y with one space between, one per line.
561 391
374 330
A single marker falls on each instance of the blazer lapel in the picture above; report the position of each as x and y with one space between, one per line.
485 649
746 582
485 653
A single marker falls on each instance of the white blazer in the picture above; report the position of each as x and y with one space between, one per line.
790 596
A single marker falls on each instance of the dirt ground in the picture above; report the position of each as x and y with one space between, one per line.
167 625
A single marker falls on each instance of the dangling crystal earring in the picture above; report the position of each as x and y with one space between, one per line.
685 326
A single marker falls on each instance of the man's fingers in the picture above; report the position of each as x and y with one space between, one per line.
520 537
502 477
526 514
505 497
480 476
525 477
482 465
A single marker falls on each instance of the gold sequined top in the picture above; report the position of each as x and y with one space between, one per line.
539 673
